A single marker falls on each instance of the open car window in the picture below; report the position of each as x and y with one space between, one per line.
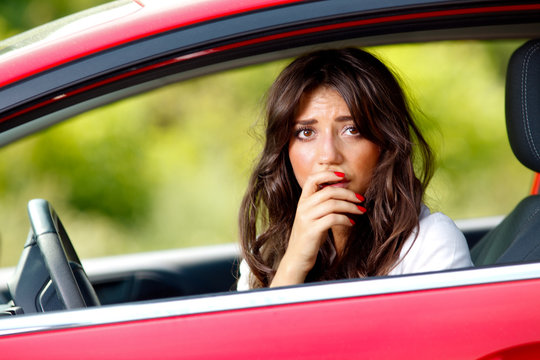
167 169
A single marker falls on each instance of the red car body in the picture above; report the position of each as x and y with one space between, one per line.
487 312
464 322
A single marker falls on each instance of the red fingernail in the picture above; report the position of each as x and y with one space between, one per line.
361 208
340 174
360 197
352 221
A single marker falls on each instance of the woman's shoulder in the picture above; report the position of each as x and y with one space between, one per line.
437 244
438 228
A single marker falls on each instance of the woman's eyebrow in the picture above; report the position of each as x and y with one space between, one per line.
306 122
344 118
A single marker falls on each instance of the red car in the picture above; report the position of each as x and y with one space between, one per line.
180 303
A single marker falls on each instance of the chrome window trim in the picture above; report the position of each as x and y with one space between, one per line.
483 223
266 297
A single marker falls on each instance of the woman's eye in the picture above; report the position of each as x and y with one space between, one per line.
352 130
304 133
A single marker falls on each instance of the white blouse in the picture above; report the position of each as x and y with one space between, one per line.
440 245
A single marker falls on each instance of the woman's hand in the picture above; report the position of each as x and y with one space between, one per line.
325 202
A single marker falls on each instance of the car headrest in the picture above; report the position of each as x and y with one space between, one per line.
523 104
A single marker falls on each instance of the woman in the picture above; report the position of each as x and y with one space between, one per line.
335 194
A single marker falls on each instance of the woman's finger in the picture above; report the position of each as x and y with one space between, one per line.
336 193
315 181
337 207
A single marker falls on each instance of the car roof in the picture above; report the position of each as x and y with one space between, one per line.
126 47
107 26
123 21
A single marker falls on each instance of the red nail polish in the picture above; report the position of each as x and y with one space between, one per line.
340 174
361 208
352 221
360 197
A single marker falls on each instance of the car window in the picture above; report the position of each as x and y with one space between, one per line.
167 169
458 88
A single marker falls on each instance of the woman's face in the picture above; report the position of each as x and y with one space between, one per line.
325 138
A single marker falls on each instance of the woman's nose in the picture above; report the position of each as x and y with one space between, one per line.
329 150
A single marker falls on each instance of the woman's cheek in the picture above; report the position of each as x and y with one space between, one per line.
301 162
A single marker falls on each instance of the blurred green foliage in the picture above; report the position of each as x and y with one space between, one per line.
168 168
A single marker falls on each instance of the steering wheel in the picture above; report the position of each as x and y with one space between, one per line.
50 275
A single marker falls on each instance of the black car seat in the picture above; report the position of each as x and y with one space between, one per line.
517 237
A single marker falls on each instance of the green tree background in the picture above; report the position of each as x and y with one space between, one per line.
168 168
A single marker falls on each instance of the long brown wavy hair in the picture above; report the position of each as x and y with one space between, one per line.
394 197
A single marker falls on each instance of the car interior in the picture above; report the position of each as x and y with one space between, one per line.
194 273
515 239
